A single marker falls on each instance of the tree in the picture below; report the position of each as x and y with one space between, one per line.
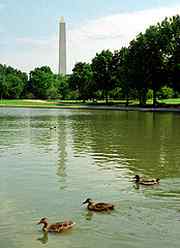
137 72
42 83
121 73
165 93
148 54
2 81
62 85
155 50
102 72
81 80
12 82
173 65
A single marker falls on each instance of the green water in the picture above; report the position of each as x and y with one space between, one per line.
92 154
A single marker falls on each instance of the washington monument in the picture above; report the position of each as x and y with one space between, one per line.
62 46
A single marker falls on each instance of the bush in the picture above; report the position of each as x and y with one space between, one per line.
150 94
165 93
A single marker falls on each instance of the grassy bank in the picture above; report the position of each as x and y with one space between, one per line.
171 101
59 103
25 103
76 104
37 103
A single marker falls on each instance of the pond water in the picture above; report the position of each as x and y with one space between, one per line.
90 154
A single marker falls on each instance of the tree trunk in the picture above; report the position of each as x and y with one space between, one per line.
106 95
142 98
127 100
154 98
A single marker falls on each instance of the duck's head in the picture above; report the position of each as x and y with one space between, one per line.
136 178
43 221
157 180
88 200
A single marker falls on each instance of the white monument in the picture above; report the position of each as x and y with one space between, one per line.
62 46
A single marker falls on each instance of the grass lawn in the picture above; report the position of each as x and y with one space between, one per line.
38 103
171 101
24 102
51 103
76 103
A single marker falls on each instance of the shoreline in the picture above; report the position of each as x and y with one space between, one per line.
117 108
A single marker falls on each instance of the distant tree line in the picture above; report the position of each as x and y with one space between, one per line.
148 68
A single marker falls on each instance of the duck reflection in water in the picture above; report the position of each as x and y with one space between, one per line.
89 215
44 238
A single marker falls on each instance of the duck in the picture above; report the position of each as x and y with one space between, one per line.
52 128
98 207
56 227
143 181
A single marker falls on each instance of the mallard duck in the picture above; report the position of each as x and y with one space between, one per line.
52 128
99 207
144 181
56 227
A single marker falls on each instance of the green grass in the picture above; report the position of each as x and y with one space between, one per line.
76 103
170 101
22 102
38 103
45 103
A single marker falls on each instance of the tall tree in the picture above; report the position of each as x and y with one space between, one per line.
42 83
173 65
137 68
62 85
102 72
154 53
81 80
121 72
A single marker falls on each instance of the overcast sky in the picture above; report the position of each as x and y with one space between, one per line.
29 29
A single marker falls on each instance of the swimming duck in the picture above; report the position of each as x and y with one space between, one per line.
144 181
56 227
52 128
99 207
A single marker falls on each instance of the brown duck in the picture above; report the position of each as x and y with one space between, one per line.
56 227
99 207
143 181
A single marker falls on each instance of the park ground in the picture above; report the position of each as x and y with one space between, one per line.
164 105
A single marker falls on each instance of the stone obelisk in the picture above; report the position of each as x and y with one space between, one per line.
62 46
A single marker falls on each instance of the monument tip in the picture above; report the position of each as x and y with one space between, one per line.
62 19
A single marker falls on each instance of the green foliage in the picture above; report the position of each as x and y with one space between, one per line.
150 94
81 81
63 86
122 72
102 72
165 92
42 83
12 82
